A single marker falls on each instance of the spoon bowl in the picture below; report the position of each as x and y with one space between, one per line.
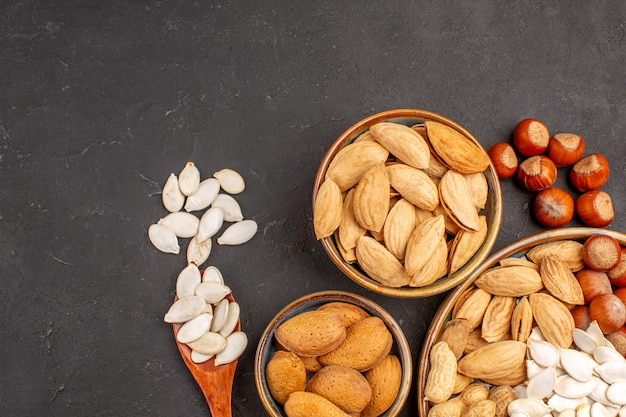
216 382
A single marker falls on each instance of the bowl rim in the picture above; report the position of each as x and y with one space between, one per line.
518 247
319 298
442 284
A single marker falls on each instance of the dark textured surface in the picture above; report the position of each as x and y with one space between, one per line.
101 100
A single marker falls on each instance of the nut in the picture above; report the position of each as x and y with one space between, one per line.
441 375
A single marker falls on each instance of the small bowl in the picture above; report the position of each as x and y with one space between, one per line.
493 208
267 345
514 250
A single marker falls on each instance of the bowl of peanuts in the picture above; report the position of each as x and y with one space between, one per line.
407 203
510 338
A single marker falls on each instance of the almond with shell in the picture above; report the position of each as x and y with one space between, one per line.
455 149
403 142
457 200
380 264
352 161
371 198
480 364
553 319
510 281
414 185
327 211
560 281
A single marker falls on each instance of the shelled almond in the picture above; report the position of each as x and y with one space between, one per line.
412 205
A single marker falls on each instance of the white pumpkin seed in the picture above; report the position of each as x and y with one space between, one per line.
231 319
185 309
560 403
238 233
220 313
203 196
532 407
540 385
584 341
198 357
171 196
520 390
230 207
543 353
599 393
183 224
198 252
583 410
605 353
577 364
532 368
568 387
535 334
163 238
612 371
210 223
596 334
189 179
235 345
212 292
194 328
570 412
209 343
231 181
211 273
187 281
616 393
599 410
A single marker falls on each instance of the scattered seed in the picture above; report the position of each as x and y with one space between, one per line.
187 281
230 207
198 252
184 225
238 233
210 223
203 196
171 196
230 180
163 238
189 179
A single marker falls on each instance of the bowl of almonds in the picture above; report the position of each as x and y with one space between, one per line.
538 329
407 203
333 353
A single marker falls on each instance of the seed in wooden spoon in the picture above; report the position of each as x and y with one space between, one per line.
189 179
220 312
198 357
230 180
185 309
209 343
198 252
235 345
231 319
163 238
238 233
210 223
211 273
203 196
183 224
230 207
194 328
212 292
187 281
171 196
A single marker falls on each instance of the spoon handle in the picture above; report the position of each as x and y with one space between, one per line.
217 388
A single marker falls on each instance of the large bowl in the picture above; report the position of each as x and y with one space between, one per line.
492 210
517 250
267 345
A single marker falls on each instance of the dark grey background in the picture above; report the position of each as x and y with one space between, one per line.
101 100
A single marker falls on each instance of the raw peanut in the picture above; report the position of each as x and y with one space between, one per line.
501 395
371 198
474 307
475 392
511 281
352 161
560 281
285 373
328 209
455 149
496 322
521 320
480 364
453 407
414 185
441 375
483 408
403 142
456 333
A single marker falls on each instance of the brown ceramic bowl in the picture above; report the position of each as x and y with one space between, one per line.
267 345
492 210
514 250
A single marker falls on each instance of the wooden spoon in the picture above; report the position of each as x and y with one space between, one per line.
216 382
